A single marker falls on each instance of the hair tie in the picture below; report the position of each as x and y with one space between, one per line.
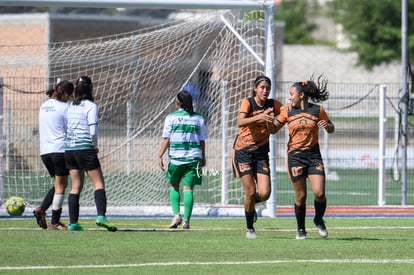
262 78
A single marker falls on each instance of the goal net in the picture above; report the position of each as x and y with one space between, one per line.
136 77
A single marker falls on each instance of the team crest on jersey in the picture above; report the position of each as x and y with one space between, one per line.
302 123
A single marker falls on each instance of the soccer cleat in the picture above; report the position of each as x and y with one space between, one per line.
301 234
250 233
40 217
75 227
176 221
102 221
186 225
320 225
58 226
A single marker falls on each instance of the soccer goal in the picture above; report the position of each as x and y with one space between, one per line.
216 56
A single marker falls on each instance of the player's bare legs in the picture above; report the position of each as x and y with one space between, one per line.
77 177
249 186
318 189
299 187
263 187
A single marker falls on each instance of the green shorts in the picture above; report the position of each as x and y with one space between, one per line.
190 173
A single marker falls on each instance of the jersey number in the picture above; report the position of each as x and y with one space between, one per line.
243 167
296 171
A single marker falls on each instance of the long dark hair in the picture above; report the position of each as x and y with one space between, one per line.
83 90
185 100
316 91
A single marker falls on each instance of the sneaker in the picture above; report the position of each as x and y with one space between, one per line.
186 225
250 233
40 217
58 226
176 221
320 225
75 227
102 221
301 234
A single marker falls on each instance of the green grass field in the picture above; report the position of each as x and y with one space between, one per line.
212 246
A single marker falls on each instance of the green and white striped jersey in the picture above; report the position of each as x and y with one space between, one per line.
185 133
82 125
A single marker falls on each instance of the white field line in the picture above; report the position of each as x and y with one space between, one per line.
334 261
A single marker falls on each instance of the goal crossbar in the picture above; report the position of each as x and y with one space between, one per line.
145 4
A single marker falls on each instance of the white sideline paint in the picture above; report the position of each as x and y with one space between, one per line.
328 261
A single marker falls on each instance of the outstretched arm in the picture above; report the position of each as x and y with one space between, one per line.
275 126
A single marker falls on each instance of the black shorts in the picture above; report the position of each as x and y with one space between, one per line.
55 164
251 162
302 164
86 160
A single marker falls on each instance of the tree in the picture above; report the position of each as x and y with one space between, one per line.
374 29
295 14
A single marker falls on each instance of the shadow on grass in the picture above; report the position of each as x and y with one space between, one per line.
358 239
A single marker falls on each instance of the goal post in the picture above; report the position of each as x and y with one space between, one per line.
136 77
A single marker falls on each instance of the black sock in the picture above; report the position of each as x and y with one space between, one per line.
100 202
320 208
47 201
73 203
249 219
56 216
300 213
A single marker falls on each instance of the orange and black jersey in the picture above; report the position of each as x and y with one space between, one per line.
303 126
255 135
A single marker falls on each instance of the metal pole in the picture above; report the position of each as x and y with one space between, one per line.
224 150
270 72
381 147
144 4
242 40
404 84
1 142
128 136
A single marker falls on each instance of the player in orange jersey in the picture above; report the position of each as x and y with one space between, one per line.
304 159
251 147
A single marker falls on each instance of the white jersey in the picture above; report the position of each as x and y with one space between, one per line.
82 126
52 126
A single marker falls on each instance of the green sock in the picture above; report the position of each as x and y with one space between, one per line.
175 200
188 204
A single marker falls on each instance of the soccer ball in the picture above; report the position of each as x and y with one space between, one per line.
15 206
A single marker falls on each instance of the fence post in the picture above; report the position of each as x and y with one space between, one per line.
128 136
382 143
1 141
224 150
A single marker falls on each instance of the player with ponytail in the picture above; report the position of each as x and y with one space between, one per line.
184 134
